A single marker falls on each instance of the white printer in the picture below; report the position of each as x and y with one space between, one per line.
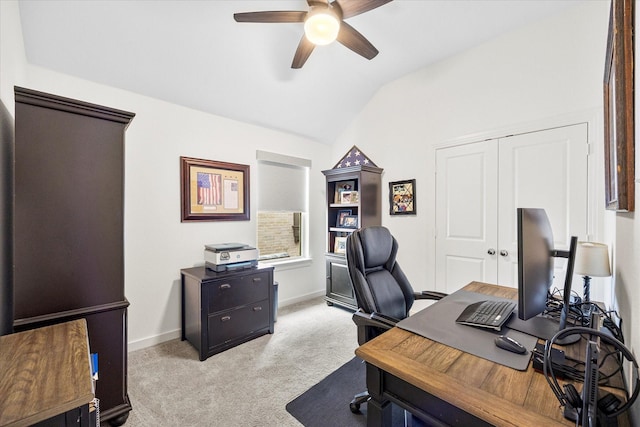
230 256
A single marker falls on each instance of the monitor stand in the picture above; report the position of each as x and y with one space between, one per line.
539 326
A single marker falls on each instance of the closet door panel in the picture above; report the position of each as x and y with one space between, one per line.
545 169
466 226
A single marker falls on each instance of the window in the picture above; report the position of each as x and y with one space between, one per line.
282 206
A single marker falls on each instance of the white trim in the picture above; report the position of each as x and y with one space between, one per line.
267 156
305 297
589 116
176 334
287 263
153 340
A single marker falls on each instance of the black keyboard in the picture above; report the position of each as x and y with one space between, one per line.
487 314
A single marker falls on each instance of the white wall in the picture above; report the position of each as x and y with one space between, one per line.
12 56
157 244
547 69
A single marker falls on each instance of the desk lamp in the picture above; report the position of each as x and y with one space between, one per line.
592 260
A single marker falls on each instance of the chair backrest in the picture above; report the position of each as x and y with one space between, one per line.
378 281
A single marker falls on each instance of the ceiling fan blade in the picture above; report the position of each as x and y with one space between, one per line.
280 16
317 2
356 7
305 47
355 41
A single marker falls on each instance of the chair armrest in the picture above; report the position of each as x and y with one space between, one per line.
376 320
391 321
371 325
429 295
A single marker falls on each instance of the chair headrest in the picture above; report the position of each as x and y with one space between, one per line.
378 246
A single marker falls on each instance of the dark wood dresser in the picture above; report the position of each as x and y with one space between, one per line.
68 229
222 310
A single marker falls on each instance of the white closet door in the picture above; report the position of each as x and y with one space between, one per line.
466 215
545 169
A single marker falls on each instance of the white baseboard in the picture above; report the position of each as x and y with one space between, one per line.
154 340
301 298
167 336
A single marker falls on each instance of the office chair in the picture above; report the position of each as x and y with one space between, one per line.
383 294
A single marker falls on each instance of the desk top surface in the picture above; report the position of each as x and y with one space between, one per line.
497 394
45 372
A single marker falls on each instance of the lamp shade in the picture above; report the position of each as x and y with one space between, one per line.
321 26
592 259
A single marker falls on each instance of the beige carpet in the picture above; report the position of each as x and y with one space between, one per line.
248 385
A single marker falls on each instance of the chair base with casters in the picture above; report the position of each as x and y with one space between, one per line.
358 400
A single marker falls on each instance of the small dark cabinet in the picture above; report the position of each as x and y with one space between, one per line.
68 229
222 310
339 289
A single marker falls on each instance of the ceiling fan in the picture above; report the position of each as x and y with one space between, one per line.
323 23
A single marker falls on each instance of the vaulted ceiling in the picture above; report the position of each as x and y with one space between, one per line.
194 54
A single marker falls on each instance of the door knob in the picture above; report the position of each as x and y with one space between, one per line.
491 251
504 253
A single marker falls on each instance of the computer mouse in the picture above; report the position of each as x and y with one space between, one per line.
510 344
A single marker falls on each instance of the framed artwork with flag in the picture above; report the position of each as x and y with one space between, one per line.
213 191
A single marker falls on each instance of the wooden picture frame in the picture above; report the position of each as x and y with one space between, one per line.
348 197
342 186
402 197
619 138
340 245
213 191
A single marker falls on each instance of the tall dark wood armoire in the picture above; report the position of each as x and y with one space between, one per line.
68 229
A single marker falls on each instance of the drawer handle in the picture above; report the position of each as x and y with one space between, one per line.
225 318
225 286
257 308
257 279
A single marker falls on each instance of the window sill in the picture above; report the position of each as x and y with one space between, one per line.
288 263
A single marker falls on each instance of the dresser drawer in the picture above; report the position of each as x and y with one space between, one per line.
238 322
236 291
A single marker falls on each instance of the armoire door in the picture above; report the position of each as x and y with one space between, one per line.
479 186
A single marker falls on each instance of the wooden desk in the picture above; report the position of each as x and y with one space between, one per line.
45 372
435 381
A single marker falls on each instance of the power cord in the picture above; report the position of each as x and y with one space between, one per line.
577 316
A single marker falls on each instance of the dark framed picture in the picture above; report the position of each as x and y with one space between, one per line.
213 191
402 197
619 138
350 221
341 216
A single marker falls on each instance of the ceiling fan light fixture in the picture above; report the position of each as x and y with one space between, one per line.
321 26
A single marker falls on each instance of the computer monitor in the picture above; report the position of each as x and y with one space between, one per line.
535 275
